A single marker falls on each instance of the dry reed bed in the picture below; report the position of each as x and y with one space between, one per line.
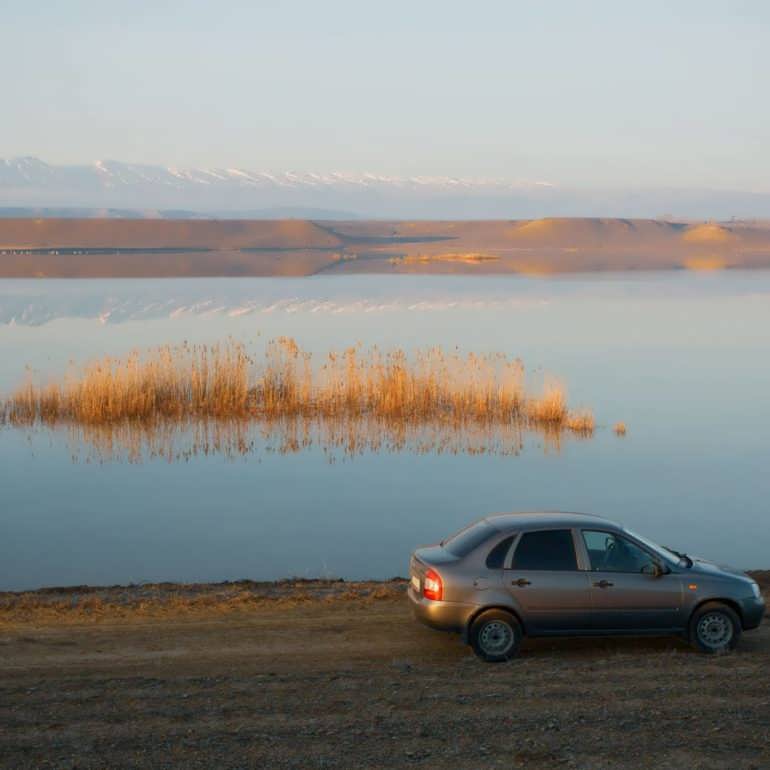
225 381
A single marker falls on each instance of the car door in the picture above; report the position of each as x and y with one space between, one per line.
545 584
629 592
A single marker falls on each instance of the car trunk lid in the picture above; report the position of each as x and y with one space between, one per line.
425 558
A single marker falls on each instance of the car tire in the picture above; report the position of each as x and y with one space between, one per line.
715 628
495 636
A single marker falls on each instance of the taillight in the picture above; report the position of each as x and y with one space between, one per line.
432 586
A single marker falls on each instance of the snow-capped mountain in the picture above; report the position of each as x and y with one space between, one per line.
29 182
114 175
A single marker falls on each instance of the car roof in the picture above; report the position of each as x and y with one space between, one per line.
547 519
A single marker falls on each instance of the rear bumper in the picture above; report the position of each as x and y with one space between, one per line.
752 610
446 616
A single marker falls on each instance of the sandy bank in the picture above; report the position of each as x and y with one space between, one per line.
166 248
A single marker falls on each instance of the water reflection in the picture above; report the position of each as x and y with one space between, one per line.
338 439
112 302
684 358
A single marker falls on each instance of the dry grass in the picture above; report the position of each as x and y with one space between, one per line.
84 604
581 422
168 382
225 381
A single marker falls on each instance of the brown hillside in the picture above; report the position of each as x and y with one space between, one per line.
122 248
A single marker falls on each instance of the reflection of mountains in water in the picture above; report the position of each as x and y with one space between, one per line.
110 310
36 302
337 439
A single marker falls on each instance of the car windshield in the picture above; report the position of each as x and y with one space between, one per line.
665 553
467 539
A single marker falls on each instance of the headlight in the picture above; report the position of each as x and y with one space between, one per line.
755 589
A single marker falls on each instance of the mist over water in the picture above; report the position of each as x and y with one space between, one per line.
682 359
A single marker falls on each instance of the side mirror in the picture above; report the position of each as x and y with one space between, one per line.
653 569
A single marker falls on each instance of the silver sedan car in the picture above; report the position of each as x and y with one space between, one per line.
547 574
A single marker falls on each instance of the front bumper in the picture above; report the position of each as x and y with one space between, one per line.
752 610
446 616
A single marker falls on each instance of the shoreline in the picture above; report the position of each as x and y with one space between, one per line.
170 600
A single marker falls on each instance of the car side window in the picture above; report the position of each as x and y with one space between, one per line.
496 557
550 549
609 552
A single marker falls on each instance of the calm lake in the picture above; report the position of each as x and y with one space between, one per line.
682 358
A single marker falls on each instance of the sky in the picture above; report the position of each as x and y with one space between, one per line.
593 93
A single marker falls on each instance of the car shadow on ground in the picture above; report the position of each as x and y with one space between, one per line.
587 647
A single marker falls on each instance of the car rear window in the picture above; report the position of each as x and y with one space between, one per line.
497 555
550 549
467 539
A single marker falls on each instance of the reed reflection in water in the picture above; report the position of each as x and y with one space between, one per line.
338 438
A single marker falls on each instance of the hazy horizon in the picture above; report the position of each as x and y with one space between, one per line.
621 97
31 187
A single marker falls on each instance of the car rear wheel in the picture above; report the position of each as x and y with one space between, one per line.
495 636
715 628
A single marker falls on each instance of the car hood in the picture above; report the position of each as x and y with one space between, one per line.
716 570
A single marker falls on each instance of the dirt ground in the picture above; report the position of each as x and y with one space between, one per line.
338 675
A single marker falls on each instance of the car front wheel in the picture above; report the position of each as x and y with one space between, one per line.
495 636
715 628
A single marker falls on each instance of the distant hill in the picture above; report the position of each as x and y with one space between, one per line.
127 189
73 212
293 247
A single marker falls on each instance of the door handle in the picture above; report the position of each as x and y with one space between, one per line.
521 582
604 584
